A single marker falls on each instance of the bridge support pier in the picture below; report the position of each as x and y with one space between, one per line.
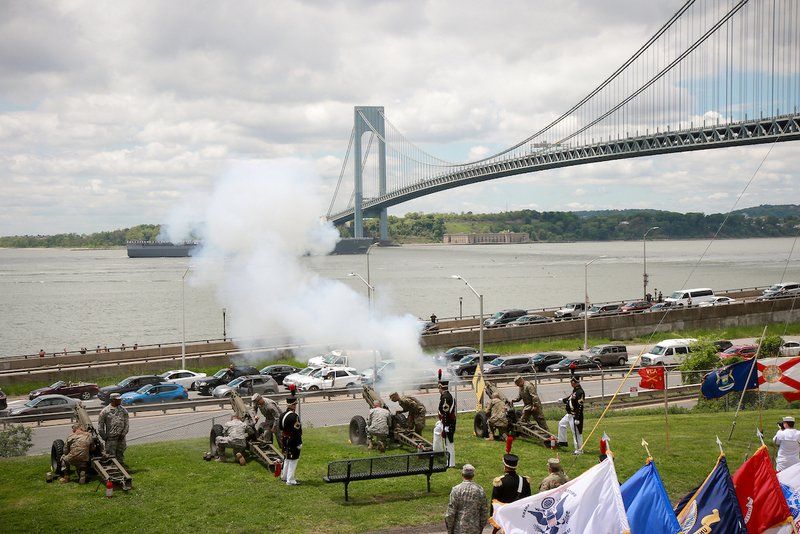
368 119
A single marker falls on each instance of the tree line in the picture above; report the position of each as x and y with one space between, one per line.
113 238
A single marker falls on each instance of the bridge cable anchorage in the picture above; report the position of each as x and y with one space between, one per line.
344 167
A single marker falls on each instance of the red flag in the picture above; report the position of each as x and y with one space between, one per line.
759 493
652 377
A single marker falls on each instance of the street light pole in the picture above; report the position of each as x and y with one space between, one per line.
460 307
644 258
224 325
370 291
480 334
586 302
183 315
369 248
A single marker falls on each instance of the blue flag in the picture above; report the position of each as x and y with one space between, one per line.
647 503
729 378
714 505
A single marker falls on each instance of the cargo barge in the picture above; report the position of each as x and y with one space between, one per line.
160 249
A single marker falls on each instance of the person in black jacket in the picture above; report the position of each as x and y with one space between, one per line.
291 439
573 419
447 415
510 487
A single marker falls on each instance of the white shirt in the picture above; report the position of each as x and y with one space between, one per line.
788 442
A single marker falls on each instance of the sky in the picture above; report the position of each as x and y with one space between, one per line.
112 114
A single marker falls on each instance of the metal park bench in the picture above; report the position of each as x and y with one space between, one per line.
375 467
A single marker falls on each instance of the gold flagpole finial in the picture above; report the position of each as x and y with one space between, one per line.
719 443
645 445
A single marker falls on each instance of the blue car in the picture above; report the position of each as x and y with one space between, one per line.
156 393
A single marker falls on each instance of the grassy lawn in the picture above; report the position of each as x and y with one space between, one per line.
175 490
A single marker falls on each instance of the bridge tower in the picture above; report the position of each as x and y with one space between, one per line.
368 119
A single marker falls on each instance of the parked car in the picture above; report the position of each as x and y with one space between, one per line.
789 348
662 307
722 344
279 372
530 319
205 386
599 310
186 378
502 318
385 368
156 393
466 366
780 290
609 354
132 383
76 390
44 404
508 365
332 378
571 309
740 351
247 386
635 306
668 352
577 363
716 301
3 400
454 354
690 297
294 378
541 360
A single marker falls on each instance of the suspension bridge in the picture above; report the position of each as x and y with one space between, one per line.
717 74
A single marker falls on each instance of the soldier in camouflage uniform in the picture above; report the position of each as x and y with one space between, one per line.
76 452
467 509
414 408
235 436
378 423
271 412
532 404
556 476
498 420
113 427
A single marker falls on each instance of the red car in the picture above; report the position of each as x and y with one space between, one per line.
77 390
741 351
635 306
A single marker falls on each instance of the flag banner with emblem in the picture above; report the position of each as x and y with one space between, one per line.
760 495
721 381
713 507
780 375
652 377
647 503
591 502
789 479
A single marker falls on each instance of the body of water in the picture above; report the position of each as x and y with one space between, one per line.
56 298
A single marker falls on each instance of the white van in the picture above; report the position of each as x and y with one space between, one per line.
690 297
668 352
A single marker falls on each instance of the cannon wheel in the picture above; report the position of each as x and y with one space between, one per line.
358 430
216 430
56 452
480 425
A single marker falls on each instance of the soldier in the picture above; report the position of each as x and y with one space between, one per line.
292 439
76 452
271 412
466 511
556 476
447 415
378 423
531 402
235 436
573 419
498 421
510 487
414 408
113 427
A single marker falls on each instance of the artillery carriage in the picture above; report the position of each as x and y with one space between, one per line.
398 429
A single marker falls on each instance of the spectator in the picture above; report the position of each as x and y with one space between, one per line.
788 441
97 350
467 509
433 318
105 348
660 297
122 347
41 353
135 346
83 350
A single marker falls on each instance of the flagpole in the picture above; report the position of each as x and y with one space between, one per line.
744 390
666 407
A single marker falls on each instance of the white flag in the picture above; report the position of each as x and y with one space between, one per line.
591 502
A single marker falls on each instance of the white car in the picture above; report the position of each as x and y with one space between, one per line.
716 301
294 378
790 348
330 378
183 377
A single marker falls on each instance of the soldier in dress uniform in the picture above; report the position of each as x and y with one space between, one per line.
271 412
447 415
466 511
531 402
414 408
498 419
556 476
291 439
510 487
573 419
112 426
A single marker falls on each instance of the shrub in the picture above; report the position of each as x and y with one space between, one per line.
15 441
769 346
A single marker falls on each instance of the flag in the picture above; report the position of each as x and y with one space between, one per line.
729 378
647 503
590 502
789 479
760 496
713 505
780 375
651 377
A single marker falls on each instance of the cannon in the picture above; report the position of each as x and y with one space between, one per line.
104 466
516 427
258 447
398 430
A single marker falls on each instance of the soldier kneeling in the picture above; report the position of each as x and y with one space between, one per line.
235 436
498 418
378 424
76 452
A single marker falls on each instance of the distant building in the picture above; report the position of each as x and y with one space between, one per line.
486 239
